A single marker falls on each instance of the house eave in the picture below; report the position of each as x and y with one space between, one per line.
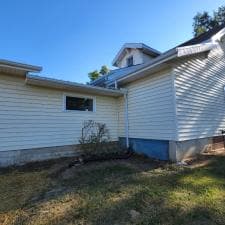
219 36
195 49
146 49
70 86
163 60
19 66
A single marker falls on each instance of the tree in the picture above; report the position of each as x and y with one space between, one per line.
94 75
104 70
219 16
204 22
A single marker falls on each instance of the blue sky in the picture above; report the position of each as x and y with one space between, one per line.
70 38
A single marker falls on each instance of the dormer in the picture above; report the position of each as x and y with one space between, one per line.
133 54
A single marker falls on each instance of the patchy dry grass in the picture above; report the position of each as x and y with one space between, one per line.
107 193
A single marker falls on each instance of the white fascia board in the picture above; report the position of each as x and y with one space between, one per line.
217 37
134 46
194 49
172 54
125 46
118 55
157 62
19 66
70 86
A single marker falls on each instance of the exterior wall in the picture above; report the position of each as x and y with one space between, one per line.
158 149
121 117
200 96
23 156
181 150
146 58
151 115
33 117
138 57
151 109
20 157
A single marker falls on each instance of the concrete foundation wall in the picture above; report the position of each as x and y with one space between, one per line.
180 150
157 149
20 157
164 150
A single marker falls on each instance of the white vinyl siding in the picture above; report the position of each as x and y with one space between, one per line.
200 95
151 110
121 116
33 117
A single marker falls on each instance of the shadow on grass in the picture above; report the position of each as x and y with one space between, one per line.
105 193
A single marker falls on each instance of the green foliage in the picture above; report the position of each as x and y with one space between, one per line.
93 75
104 70
219 16
96 74
204 22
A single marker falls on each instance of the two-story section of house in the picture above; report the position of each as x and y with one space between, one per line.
175 103
130 57
169 105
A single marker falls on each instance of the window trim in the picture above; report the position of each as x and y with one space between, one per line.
128 58
78 96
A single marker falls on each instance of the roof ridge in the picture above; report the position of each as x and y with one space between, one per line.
202 37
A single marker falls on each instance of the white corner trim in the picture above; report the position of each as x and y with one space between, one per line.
174 103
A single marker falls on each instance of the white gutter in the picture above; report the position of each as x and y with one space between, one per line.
170 55
194 49
19 66
71 86
161 59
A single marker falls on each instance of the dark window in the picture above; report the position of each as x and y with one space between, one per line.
130 61
81 104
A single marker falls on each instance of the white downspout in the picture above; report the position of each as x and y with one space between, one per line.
126 118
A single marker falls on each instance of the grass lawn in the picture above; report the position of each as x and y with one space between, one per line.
133 191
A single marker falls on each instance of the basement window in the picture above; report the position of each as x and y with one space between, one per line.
79 103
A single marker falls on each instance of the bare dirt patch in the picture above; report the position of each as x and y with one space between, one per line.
133 191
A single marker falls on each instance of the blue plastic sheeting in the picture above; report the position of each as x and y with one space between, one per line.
158 149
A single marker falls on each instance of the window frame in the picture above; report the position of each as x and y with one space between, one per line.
78 96
128 58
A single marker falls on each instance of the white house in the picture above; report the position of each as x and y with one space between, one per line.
167 105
